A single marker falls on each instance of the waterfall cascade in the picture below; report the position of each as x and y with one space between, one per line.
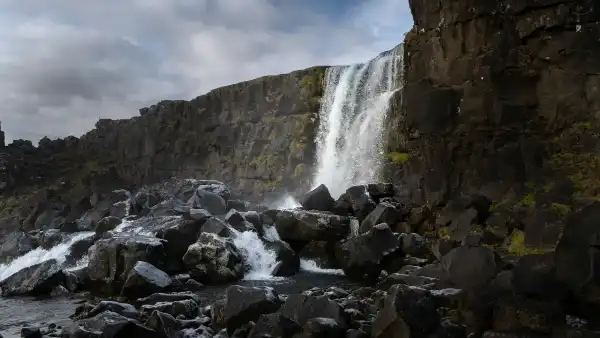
353 111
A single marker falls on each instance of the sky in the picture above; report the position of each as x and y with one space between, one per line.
66 63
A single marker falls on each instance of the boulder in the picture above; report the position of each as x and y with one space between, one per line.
216 226
383 213
38 279
302 308
238 221
108 324
317 199
143 280
216 187
200 215
406 312
274 325
363 255
187 308
300 225
360 201
213 259
244 304
50 238
210 201
327 255
123 309
113 257
107 224
323 328
289 261
381 190
16 244
167 298
170 207
471 267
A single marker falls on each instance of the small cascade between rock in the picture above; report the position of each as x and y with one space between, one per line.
260 261
353 111
40 255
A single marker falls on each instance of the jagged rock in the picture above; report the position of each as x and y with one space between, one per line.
107 224
167 298
164 324
243 304
200 215
185 307
342 206
318 199
238 221
143 280
381 190
383 213
360 201
406 312
170 207
237 205
31 332
471 267
322 328
79 248
16 244
51 237
216 187
123 309
38 279
213 259
210 201
217 226
90 219
289 261
399 278
107 324
327 255
274 325
363 254
300 225
302 308
113 257
415 245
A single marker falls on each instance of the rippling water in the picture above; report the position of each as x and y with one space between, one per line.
18 312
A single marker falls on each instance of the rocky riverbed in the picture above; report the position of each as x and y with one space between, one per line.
184 259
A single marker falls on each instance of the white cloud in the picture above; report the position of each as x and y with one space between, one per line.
65 63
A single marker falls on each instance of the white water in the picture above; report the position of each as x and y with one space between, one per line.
286 202
260 260
39 255
311 266
350 137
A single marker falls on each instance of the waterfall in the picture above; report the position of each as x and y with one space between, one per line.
39 255
354 107
259 260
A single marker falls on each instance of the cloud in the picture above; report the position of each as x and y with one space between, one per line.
66 63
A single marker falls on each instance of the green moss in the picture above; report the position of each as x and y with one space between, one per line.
494 206
398 158
583 170
299 170
527 201
516 245
561 209
443 233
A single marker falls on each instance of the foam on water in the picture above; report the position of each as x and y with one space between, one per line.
353 110
311 266
39 255
260 260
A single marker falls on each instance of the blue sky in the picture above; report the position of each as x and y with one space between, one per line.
66 63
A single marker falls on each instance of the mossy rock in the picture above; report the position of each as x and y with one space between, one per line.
515 245
397 158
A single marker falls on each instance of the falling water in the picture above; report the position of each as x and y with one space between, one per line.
353 111
39 255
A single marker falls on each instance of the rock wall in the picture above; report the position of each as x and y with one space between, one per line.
257 136
500 98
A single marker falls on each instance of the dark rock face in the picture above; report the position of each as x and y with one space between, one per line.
16 244
244 304
302 308
491 101
39 279
318 199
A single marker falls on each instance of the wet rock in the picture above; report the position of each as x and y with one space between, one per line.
383 213
238 221
322 328
317 199
178 234
289 261
164 324
187 308
167 298
274 325
399 278
300 225
213 259
170 207
471 267
237 205
326 254
108 324
38 279
90 219
107 224
31 332
244 304
406 312
200 215
113 257
79 248
216 226
123 309
342 206
415 245
363 254
16 244
360 201
143 280
381 190
50 238
216 187
210 201
302 308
